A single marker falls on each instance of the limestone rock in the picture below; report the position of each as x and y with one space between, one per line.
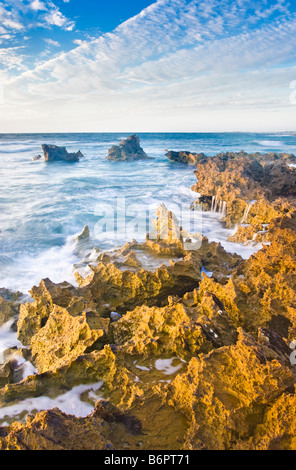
187 158
225 393
54 430
277 428
9 305
33 316
65 337
128 150
156 331
89 368
124 290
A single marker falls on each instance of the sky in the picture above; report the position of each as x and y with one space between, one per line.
147 66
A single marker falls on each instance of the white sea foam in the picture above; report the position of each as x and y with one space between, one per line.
8 338
271 143
70 403
166 365
55 263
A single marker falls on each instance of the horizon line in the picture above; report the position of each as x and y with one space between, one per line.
150 132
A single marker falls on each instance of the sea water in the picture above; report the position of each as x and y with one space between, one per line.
43 206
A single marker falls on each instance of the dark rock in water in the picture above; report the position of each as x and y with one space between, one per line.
187 158
128 150
54 153
38 157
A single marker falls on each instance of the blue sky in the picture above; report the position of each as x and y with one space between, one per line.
167 65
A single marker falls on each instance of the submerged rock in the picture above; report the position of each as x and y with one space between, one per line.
128 150
54 153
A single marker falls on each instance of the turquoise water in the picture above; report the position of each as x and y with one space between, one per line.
43 206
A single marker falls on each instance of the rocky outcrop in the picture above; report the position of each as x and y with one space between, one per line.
187 158
249 190
128 150
53 153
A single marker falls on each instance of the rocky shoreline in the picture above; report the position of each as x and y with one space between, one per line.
181 348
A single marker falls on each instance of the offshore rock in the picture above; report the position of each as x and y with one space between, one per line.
187 158
53 153
128 150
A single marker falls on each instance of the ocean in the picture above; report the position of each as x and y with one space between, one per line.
43 206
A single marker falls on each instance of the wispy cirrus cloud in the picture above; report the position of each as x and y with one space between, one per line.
17 19
178 63
23 15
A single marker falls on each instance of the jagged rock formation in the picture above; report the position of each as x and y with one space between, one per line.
44 431
128 150
53 153
224 404
238 179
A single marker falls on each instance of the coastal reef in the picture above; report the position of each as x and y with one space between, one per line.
171 343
